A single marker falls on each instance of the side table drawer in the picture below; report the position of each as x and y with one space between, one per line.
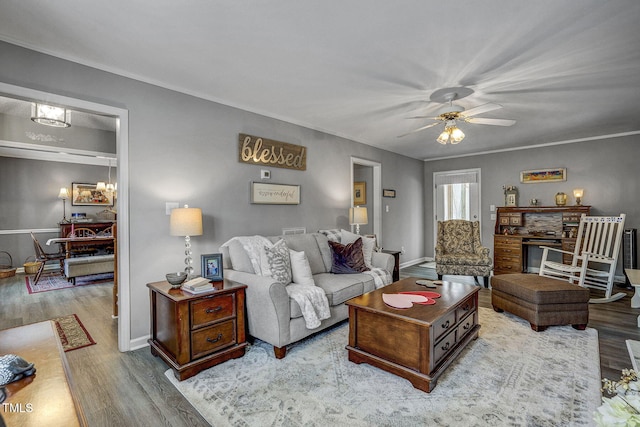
209 310
208 340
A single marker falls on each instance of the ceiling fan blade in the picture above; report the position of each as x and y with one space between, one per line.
423 117
481 109
419 129
495 122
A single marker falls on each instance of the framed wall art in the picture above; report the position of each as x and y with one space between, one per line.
388 193
359 193
275 194
89 195
543 175
212 267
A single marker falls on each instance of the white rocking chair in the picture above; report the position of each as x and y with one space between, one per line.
594 260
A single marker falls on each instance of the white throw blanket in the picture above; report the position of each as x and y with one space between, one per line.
380 276
312 301
254 247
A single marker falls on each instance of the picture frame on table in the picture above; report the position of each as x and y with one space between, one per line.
84 194
212 267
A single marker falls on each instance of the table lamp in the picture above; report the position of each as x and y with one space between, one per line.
578 193
186 222
357 217
64 195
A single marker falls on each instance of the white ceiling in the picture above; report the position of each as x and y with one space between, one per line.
563 69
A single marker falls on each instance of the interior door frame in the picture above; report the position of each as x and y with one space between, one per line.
376 191
122 154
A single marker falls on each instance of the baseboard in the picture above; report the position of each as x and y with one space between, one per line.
414 262
139 343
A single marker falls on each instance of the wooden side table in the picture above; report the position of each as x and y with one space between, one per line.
396 268
192 332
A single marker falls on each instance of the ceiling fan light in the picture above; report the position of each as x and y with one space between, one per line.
444 137
456 135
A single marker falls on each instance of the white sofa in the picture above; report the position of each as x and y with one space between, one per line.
273 316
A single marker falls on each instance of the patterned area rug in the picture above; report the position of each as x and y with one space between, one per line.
52 282
510 375
72 333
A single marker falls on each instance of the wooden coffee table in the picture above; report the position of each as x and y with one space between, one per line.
416 343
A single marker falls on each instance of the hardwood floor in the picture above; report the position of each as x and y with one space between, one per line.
115 389
127 389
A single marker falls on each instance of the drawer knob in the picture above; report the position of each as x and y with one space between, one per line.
446 346
445 325
466 326
213 340
466 307
213 310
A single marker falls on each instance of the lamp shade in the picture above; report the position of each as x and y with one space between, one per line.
358 216
64 193
578 192
186 222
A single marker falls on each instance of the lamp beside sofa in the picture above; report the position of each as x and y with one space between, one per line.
276 318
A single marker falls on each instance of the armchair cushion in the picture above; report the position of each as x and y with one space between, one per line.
459 251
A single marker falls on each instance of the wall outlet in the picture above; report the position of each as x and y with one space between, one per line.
493 217
492 208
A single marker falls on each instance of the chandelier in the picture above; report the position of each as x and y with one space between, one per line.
50 116
451 134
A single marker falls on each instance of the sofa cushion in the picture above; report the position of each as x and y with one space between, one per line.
239 258
300 269
368 244
279 262
349 258
333 234
341 287
308 244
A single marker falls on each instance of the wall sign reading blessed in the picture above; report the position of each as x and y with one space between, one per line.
262 151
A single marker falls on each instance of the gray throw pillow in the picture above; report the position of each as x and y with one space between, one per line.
279 262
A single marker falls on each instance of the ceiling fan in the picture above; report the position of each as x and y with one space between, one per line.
451 114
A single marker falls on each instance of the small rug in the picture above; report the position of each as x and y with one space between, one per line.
510 375
52 282
72 333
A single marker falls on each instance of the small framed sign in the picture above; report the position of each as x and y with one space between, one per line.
275 194
388 193
212 267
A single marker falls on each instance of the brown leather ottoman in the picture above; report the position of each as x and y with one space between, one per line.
541 300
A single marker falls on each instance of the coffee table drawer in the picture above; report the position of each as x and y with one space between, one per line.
467 307
465 326
444 325
443 347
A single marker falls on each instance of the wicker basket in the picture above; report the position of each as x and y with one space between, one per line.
31 267
6 270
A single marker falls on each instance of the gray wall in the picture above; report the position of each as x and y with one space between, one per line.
607 170
184 149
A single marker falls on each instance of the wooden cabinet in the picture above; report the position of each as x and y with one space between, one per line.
518 228
507 252
396 267
194 332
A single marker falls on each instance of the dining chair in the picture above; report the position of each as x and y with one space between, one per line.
43 257
79 250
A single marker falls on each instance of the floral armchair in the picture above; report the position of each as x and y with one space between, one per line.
459 251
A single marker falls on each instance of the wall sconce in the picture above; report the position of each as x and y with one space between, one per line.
357 217
186 222
578 193
64 195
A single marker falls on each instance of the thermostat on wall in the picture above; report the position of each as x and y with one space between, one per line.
265 174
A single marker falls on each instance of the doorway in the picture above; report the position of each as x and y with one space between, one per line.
456 196
122 146
371 172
